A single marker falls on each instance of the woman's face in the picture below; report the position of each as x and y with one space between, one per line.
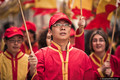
48 39
14 44
98 44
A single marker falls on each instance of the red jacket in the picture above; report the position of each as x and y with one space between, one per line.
97 63
50 66
24 48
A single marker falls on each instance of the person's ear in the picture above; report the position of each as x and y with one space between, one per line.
49 31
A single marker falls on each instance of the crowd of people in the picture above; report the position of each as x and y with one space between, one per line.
59 53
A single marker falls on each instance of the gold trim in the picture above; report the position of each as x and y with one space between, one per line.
34 75
103 59
94 60
112 74
53 49
99 71
64 63
79 34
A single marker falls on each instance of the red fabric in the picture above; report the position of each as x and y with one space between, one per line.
117 52
57 17
100 20
114 62
43 11
1 1
12 31
50 66
28 1
30 26
86 13
24 48
79 41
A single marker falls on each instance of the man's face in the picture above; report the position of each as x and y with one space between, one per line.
61 30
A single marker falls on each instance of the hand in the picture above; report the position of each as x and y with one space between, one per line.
108 72
33 62
81 22
106 68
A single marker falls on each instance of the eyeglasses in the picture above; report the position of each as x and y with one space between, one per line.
14 41
59 25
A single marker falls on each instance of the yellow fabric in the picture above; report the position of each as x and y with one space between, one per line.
86 4
102 4
45 4
100 60
2 45
6 66
101 74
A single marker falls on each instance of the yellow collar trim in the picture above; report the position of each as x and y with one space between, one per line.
64 63
94 60
100 60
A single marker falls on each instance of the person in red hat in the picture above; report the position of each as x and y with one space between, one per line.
61 61
31 30
13 62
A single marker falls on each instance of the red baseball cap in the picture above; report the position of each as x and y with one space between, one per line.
30 26
12 31
57 17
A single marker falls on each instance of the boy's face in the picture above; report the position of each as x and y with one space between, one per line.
61 30
14 43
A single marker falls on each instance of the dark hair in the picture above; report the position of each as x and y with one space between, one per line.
7 25
34 34
42 39
5 46
103 34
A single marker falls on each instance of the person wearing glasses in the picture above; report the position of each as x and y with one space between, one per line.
13 62
102 65
61 61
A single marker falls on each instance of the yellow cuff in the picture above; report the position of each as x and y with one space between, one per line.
79 34
112 74
34 75
99 71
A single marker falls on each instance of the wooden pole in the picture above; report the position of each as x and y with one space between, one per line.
25 26
114 27
81 7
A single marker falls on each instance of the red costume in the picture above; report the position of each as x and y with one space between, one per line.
79 40
14 68
97 63
117 52
50 66
24 48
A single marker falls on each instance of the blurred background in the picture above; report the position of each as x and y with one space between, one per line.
98 13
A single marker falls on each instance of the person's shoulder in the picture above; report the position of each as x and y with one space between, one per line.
114 58
1 53
42 50
78 51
